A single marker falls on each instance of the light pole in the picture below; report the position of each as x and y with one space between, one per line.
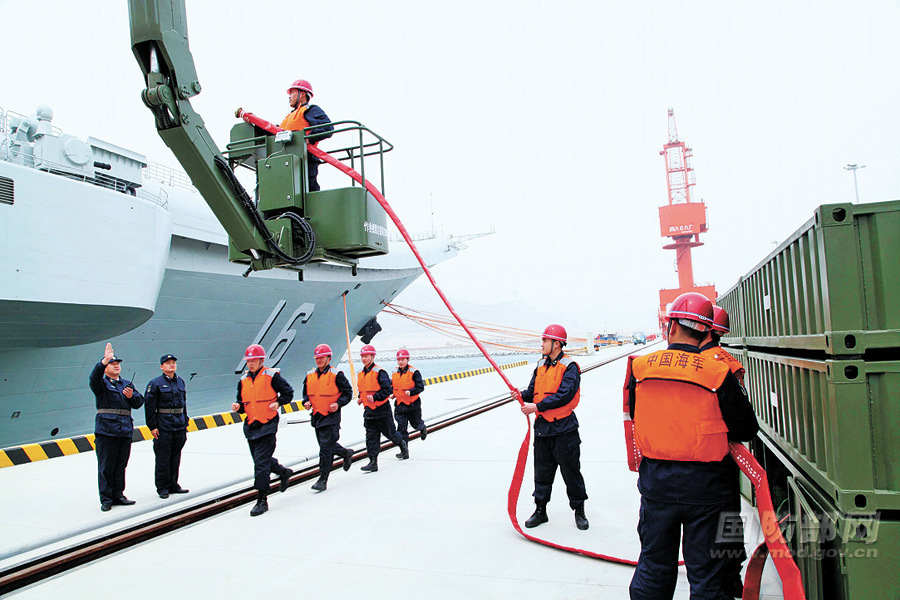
854 167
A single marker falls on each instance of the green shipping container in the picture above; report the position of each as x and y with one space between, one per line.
841 556
832 286
837 420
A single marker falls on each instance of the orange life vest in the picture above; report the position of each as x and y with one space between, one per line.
734 365
402 383
295 119
676 412
367 383
257 394
322 390
546 382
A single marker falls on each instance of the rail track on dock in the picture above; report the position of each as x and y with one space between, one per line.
59 561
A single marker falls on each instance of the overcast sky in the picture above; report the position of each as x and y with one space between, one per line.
542 119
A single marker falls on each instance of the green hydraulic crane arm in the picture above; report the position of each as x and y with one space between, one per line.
160 44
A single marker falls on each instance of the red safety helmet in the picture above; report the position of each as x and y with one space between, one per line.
302 85
555 332
693 307
720 322
254 351
367 349
322 350
403 353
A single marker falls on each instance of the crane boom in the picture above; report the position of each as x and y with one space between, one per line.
160 44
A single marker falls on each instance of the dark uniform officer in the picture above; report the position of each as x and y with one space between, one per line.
710 347
166 415
555 392
374 386
325 392
259 393
113 427
407 385
686 409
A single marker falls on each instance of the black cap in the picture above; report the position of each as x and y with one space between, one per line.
166 357
115 359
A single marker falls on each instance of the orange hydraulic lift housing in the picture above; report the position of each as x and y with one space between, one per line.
682 219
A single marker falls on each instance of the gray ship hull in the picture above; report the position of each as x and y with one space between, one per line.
133 255
206 318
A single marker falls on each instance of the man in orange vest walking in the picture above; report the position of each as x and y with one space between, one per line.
686 408
552 395
303 115
710 347
407 385
374 387
260 391
325 392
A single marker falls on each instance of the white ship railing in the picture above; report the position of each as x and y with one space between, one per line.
105 181
169 176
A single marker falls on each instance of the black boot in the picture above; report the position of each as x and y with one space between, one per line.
285 479
348 459
261 506
371 467
581 521
404 449
539 516
423 432
321 485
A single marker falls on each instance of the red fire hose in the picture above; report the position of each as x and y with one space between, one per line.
787 569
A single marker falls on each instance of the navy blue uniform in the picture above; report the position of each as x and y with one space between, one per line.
696 498
112 432
328 427
316 116
557 442
410 414
379 421
261 436
166 410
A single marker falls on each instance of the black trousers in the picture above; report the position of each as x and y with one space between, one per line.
327 437
167 449
312 169
409 414
563 451
697 526
733 524
112 458
264 464
375 428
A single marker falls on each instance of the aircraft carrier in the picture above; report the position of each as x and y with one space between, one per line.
100 246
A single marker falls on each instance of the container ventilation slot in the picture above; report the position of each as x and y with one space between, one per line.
7 190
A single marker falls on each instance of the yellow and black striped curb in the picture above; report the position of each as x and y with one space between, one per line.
19 455
464 374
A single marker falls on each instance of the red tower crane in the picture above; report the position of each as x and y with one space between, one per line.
681 219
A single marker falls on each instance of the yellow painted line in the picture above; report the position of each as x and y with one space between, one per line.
4 460
34 452
67 446
210 422
145 432
90 438
192 426
229 420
